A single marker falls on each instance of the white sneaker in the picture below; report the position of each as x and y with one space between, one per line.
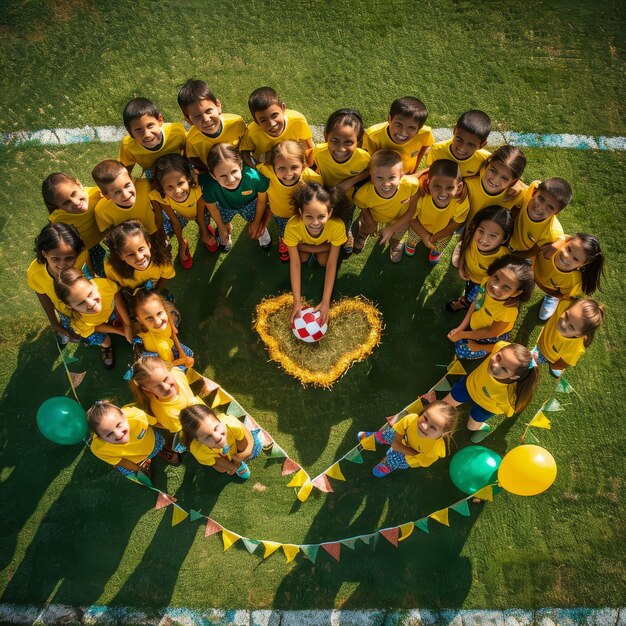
548 307
456 255
265 240
62 339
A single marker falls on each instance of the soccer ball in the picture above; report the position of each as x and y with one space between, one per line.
307 327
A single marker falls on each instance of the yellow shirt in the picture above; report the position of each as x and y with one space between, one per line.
85 223
257 141
334 173
554 346
279 195
85 323
131 151
489 311
188 208
479 198
235 431
489 393
140 444
232 131
334 232
434 218
385 210
428 450
528 233
153 273
548 276
167 411
468 167
377 138
159 341
477 263
109 214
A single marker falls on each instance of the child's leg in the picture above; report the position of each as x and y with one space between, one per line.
392 461
212 240
366 227
477 423
225 228
411 243
477 349
248 212
106 348
348 247
458 394
281 223
440 246
396 246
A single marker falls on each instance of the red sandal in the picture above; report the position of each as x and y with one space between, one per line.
187 264
212 247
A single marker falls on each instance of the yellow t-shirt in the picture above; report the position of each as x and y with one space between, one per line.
279 195
489 393
140 444
468 167
198 144
477 263
167 411
434 219
85 323
385 210
334 173
188 208
377 138
235 431
554 346
159 341
528 233
131 151
548 276
85 223
479 198
109 214
428 450
257 141
153 273
334 232
489 311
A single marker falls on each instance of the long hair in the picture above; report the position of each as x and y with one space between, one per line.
141 370
53 235
523 274
501 216
528 379
332 197
190 419
593 269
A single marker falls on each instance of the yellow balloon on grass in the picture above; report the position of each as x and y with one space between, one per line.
527 470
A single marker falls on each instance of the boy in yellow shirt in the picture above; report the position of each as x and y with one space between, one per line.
272 123
404 131
209 126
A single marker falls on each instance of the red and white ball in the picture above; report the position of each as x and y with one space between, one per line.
307 327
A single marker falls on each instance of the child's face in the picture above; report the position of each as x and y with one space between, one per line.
84 298
402 128
136 252
572 323
59 259
205 116
503 365
315 214
175 185
464 144
342 142
497 178
161 384
152 315
211 432
147 131
431 423
71 197
570 256
503 284
288 169
113 427
272 120
443 189
386 179
542 206
489 235
121 191
227 174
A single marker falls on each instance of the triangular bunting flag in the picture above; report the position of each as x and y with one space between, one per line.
221 398
178 515
369 443
334 549
310 551
456 368
406 530
144 480
422 524
486 493
429 397
415 407
289 467
163 500
265 438
253 423
391 535
251 544
462 508
277 452
334 471
440 516
68 358
229 538
234 409
299 479
563 386
354 456
290 551
322 483
212 527
349 543
442 385
540 421
194 515
77 378
368 538
553 405
270 548
305 491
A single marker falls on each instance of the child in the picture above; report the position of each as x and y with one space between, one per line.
57 247
179 198
124 437
404 131
440 211
230 188
223 442
385 200
314 230
156 333
484 241
503 383
490 317
415 440
568 333
123 199
576 266
271 123
536 224
203 111
467 144
136 260
148 137
285 168
69 202
95 307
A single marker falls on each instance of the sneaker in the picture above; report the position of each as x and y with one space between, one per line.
409 249
478 435
433 257
548 307
556 373
348 247
283 251
381 470
225 247
396 247
265 240
243 471
454 306
62 339
212 248
363 434
456 255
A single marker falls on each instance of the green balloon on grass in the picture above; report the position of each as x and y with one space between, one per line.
473 468
62 420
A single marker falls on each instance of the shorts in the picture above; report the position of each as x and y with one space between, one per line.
257 447
95 339
538 356
183 221
471 291
247 211
158 446
462 350
460 394
281 224
96 255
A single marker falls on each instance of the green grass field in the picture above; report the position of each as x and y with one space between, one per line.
74 532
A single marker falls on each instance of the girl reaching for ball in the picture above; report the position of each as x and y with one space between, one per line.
316 231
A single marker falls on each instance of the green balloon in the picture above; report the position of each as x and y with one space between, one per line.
62 420
473 468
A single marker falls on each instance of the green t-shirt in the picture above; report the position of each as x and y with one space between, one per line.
252 183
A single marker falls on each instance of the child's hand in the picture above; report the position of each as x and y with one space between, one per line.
128 333
296 311
462 273
385 235
223 232
57 328
429 243
255 230
343 186
455 334
322 307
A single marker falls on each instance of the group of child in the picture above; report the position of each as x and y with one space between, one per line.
510 240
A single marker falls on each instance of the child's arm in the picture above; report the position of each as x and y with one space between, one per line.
329 283
160 285
224 466
296 281
454 334
463 273
158 218
398 446
387 232
244 447
312 248
49 310
495 330
424 235
129 465
201 207
255 228
178 231
420 155
246 155
308 146
549 250
122 311
344 185
444 232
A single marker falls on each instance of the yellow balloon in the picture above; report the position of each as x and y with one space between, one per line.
527 470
